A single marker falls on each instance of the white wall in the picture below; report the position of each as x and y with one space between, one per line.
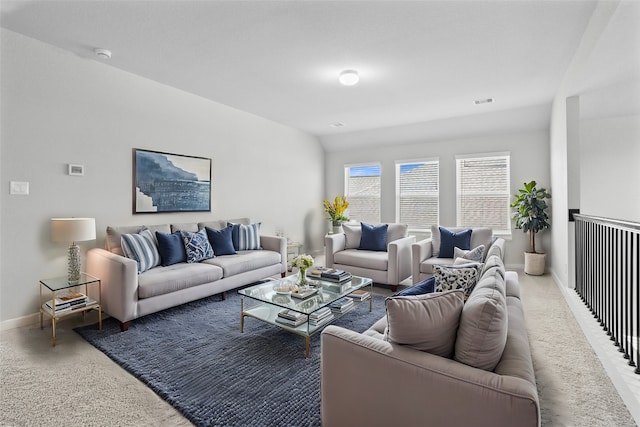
609 167
529 161
58 108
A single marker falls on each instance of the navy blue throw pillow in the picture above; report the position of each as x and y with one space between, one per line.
450 240
427 286
374 238
171 248
221 241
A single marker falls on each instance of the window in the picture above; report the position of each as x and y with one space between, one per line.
417 193
483 192
363 192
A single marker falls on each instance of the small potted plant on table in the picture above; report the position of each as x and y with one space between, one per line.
336 212
530 216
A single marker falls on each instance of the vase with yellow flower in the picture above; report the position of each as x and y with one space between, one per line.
336 211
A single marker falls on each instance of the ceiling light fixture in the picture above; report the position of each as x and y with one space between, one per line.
349 77
102 53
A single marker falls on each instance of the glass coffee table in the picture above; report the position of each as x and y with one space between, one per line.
302 316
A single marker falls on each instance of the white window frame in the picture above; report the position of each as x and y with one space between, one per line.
347 176
502 232
399 164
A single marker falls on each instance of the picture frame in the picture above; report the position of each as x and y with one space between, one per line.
167 182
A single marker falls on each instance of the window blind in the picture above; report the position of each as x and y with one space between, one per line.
363 192
417 194
483 192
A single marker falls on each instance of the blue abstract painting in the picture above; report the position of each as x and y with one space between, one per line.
165 182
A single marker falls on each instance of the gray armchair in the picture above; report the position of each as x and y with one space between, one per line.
425 253
388 267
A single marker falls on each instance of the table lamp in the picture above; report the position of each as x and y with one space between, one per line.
72 230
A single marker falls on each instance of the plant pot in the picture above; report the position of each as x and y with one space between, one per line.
534 263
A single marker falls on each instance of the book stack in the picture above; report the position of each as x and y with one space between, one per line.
360 295
291 318
341 305
334 275
321 316
67 302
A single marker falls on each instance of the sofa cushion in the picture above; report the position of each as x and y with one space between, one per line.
451 277
450 239
494 261
141 247
373 260
396 231
512 287
425 322
221 241
496 248
197 245
426 286
244 261
482 333
171 248
476 254
113 241
374 237
216 225
164 280
352 233
185 226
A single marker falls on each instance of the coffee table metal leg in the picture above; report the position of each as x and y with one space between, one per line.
307 340
241 315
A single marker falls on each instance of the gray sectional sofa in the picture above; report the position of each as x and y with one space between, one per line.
127 294
486 377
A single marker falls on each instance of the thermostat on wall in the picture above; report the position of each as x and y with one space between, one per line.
76 169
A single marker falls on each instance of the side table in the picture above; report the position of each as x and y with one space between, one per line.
61 283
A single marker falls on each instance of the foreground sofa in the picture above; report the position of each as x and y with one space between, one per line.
128 295
369 381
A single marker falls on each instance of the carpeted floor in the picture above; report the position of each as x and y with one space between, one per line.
195 358
76 384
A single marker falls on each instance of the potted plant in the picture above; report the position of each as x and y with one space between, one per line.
530 216
336 212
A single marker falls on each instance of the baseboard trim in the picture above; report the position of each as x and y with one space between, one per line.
19 322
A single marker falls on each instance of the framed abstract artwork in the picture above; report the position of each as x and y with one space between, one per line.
165 182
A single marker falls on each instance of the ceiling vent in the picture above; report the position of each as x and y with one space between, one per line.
484 101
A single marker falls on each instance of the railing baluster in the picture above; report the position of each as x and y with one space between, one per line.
607 275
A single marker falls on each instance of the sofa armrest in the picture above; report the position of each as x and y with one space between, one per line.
399 259
419 252
333 243
419 387
276 244
119 281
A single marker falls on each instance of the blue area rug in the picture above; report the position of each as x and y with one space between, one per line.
194 357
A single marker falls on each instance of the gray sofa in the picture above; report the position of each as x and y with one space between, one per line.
127 294
423 388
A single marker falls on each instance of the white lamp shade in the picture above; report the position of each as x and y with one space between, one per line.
67 230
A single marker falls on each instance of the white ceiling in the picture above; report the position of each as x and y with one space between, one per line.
419 61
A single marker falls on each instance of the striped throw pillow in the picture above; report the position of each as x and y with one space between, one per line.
249 237
142 248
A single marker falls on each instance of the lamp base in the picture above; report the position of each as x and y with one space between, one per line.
73 273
